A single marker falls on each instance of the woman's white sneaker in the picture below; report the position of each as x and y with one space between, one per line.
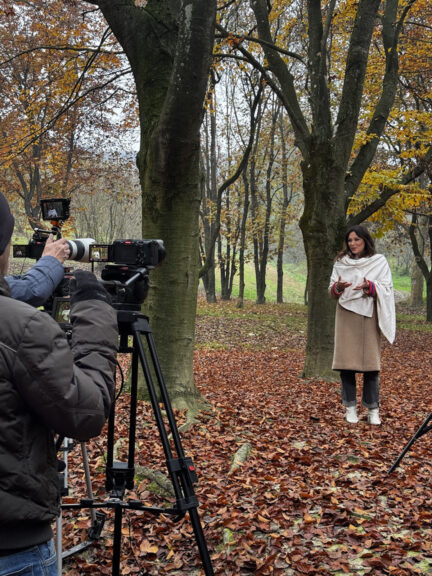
351 415
373 416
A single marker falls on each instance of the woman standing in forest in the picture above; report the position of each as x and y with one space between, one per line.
361 281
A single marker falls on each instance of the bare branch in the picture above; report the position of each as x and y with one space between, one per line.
241 38
64 48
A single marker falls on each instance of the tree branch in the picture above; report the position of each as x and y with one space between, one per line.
285 78
388 192
317 59
226 34
64 48
355 72
383 108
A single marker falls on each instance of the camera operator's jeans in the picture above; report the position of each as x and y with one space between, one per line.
35 561
370 396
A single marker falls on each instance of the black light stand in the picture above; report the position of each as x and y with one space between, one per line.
424 428
120 475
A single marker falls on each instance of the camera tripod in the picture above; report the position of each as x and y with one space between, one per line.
424 428
120 475
98 517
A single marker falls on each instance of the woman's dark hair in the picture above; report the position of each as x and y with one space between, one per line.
362 232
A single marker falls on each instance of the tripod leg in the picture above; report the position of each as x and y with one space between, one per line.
88 479
110 447
59 548
158 414
422 430
63 480
118 512
180 472
201 543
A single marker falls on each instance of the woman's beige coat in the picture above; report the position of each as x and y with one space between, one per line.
357 342
361 319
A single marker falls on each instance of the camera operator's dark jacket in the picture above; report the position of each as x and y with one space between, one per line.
46 388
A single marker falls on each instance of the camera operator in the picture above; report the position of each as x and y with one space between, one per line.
39 283
47 387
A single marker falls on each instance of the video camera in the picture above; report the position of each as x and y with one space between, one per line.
125 276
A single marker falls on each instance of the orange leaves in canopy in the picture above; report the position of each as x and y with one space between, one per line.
53 110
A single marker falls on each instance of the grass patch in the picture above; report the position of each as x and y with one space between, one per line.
414 322
258 327
402 283
270 314
294 282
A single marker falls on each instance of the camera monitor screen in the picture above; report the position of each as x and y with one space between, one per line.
99 252
61 310
55 209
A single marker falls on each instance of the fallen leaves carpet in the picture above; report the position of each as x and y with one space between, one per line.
313 495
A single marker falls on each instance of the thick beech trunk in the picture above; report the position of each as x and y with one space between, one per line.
323 225
168 44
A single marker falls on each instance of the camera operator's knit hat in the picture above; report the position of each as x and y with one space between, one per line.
6 223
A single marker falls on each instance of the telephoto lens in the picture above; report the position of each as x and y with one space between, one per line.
79 249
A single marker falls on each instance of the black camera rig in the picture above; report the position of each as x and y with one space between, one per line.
125 276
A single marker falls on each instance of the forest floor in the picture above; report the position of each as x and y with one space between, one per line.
313 495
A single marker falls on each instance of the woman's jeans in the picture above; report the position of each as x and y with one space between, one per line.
370 397
35 561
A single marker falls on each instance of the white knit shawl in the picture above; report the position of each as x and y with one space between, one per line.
376 269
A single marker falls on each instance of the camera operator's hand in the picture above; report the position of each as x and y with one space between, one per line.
85 286
57 248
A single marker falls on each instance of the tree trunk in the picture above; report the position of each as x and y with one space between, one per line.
323 226
420 260
417 278
209 201
417 284
262 237
225 258
242 249
429 299
169 45
285 201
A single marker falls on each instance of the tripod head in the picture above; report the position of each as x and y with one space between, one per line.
127 285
